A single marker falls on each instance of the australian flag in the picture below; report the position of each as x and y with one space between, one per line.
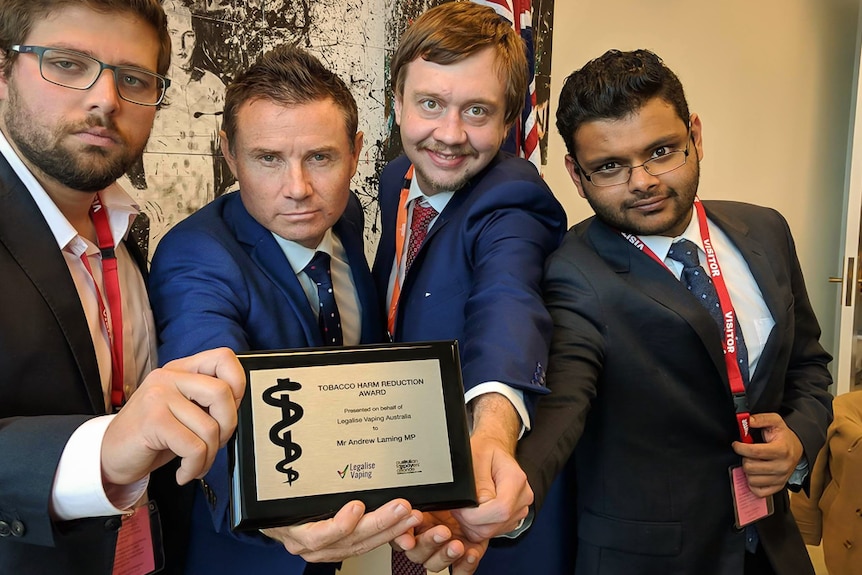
524 138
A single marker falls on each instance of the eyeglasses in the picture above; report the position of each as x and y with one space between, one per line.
615 175
80 72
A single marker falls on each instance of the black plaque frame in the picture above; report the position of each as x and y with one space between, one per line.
248 512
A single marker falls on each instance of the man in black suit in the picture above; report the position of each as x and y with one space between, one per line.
80 83
662 398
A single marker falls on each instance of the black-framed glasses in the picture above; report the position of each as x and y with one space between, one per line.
78 71
614 175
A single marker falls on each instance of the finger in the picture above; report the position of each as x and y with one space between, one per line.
212 395
317 535
198 450
482 472
764 420
446 554
428 543
403 542
343 536
467 564
384 525
501 514
219 363
766 491
470 561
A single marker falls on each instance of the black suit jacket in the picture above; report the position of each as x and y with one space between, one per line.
639 391
49 385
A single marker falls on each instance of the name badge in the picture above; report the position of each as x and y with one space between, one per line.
138 541
747 507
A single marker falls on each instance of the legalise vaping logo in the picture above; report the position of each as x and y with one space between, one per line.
357 470
279 434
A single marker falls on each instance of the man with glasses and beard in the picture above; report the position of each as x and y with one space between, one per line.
691 399
80 83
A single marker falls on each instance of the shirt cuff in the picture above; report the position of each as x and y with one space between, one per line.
800 473
78 490
525 524
515 396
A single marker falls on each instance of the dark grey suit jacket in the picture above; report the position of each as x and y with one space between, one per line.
639 392
49 385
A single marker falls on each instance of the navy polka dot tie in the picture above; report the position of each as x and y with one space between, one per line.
699 283
327 314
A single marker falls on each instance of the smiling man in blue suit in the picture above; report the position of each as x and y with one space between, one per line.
241 273
466 229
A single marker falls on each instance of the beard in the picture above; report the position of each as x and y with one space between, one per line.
437 186
88 169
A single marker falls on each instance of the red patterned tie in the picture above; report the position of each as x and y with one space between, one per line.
423 213
401 565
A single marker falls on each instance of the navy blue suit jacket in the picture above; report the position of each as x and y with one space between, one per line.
220 279
477 279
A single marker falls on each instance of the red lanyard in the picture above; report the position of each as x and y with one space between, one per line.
400 237
728 341
98 213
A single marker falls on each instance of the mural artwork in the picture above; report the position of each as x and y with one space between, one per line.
182 169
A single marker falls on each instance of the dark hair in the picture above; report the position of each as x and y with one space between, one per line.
288 76
17 18
455 31
613 86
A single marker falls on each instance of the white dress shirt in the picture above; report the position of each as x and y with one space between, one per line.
755 321
346 296
78 490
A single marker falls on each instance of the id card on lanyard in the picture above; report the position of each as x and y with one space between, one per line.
747 506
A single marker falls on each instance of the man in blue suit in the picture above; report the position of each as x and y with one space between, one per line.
466 229
238 274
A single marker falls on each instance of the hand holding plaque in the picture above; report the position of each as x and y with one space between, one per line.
321 427
351 532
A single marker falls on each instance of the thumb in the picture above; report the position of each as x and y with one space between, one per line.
485 489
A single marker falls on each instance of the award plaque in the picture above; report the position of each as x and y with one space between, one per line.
320 427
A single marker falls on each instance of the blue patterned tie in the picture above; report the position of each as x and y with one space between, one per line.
699 283
327 317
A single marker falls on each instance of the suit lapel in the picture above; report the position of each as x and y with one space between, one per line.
659 284
265 252
755 256
28 238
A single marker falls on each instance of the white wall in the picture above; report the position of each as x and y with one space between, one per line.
771 81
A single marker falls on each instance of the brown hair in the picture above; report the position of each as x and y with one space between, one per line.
17 18
455 31
288 76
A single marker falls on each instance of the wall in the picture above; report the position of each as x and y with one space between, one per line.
771 81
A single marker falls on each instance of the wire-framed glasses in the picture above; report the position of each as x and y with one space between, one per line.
78 71
614 174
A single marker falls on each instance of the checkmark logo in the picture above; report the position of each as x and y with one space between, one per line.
341 474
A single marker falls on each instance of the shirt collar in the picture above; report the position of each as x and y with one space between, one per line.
298 255
121 208
660 245
438 201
